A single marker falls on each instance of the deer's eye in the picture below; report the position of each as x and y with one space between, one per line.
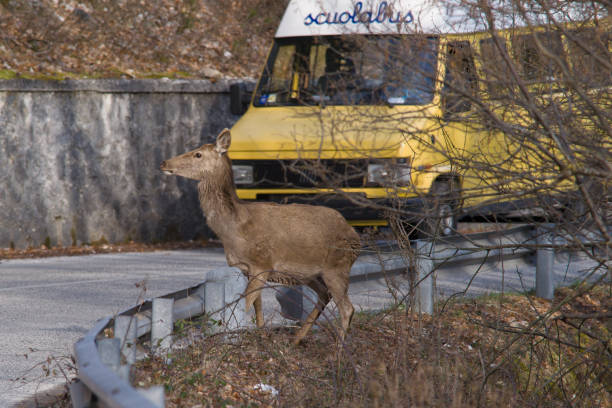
198 155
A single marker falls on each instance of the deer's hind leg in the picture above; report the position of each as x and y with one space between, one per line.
338 287
259 319
323 298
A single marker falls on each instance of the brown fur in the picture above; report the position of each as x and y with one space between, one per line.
289 244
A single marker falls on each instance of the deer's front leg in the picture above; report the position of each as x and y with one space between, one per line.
253 295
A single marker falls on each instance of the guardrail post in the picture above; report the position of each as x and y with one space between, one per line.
215 300
110 352
291 301
224 290
80 395
154 394
296 302
424 277
201 293
161 324
125 331
234 316
545 285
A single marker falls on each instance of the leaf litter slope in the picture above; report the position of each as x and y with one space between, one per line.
135 39
486 351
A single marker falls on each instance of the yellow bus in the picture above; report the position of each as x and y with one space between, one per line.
378 108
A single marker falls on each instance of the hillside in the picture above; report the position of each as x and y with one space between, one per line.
135 38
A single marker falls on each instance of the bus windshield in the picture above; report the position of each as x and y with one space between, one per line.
355 70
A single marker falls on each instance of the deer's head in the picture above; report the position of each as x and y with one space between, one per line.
208 162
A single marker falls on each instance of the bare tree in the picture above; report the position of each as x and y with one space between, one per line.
514 122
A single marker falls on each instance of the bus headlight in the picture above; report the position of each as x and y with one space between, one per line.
243 174
401 174
389 173
377 174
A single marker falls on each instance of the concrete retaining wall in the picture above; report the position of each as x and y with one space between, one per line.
79 159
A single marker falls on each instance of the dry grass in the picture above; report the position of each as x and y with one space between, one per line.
481 352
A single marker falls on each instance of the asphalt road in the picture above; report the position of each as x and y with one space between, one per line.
47 304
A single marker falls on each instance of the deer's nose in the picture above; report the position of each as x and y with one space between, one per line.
163 164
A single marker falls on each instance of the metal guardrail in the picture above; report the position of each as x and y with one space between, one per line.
101 375
453 250
98 379
430 256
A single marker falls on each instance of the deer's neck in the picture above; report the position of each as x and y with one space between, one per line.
220 205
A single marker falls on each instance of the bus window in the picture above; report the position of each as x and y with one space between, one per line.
530 52
590 56
340 70
278 78
460 80
496 72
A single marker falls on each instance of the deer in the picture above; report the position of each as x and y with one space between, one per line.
290 244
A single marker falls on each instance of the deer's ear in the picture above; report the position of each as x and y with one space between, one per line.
223 141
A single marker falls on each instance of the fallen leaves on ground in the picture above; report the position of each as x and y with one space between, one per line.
44 252
492 351
134 38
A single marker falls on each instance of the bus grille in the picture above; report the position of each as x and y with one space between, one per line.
327 173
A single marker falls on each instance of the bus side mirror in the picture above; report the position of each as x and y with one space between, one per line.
240 97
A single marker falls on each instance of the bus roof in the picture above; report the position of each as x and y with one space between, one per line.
337 17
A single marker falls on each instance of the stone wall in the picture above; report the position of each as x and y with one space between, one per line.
79 160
